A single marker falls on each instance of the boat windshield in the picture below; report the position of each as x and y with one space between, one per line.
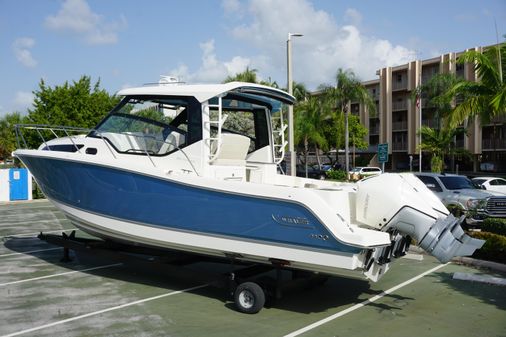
147 125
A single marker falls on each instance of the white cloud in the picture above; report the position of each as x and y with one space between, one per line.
76 17
231 6
22 101
325 46
21 48
212 69
353 16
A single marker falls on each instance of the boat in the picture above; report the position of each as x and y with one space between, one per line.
196 168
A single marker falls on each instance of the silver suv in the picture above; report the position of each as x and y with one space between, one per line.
461 196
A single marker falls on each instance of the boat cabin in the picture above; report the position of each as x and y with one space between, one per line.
232 131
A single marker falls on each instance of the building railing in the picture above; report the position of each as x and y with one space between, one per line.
399 85
374 130
399 146
491 144
431 123
400 105
400 125
459 143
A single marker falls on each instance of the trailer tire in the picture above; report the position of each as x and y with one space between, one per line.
249 298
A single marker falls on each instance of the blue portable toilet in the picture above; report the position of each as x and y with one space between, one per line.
15 184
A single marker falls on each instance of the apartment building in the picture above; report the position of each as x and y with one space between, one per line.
397 118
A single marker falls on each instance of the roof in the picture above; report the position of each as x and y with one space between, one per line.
203 92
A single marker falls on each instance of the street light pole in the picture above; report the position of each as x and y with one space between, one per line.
421 121
291 147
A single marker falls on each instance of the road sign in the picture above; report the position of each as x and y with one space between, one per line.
383 153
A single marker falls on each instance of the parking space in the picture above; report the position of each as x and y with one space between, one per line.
98 296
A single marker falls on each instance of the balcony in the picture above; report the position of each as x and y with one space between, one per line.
399 105
498 120
400 85
400 125
488 144
400 146
431 123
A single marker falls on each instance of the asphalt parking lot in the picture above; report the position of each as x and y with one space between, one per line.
95 296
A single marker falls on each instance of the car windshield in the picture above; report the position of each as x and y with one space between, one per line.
479 181
356 169
457 182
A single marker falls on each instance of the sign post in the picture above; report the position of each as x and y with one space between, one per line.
383 155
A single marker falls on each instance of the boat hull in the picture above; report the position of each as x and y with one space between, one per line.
141 209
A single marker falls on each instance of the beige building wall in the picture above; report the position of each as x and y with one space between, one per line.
393 91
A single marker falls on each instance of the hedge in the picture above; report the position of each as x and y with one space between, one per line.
494 225
339 175
494 248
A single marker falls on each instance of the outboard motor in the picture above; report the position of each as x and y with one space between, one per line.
413 210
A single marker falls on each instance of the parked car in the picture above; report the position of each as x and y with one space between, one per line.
329 166
491 183
312 172
461 196
362 172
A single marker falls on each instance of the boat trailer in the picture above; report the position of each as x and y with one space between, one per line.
250 285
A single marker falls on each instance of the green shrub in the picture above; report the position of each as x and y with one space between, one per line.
494 225
339 175
494 248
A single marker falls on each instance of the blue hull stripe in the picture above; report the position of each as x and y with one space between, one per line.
143 199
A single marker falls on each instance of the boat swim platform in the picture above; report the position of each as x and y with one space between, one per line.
94 295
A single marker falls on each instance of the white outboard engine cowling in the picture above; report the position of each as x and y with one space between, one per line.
413 210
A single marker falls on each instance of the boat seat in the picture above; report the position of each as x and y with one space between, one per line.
233 151
172 142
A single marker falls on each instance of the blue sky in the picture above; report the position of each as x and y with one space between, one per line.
127 43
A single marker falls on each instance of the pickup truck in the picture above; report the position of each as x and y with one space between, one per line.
461 196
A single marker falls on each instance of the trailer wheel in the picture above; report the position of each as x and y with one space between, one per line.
249 298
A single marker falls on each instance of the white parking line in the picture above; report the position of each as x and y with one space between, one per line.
37 233
60 274
103 311
362 304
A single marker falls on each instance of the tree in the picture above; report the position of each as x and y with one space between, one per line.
438 143
487 97
299 91
76 104
248 75
308 125
7 133
435 95
348 89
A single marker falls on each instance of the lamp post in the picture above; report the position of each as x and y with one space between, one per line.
421 121
291 148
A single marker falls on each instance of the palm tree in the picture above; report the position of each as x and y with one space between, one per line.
308 125
348 89
438 143
434 91
487 97
300 91
248 75
435 96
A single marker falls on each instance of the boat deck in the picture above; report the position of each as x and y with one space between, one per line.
99 296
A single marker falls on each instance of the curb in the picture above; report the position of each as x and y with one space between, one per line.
467 261
480 263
